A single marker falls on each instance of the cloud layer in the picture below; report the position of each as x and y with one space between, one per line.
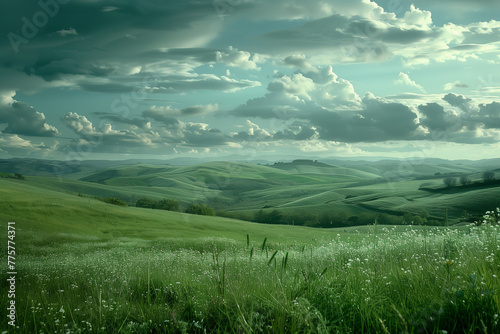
246 73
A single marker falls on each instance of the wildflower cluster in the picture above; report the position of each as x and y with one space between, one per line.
490 218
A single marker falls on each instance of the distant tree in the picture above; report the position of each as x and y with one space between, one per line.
383 219
434 222
408 219
275 217
352 220
450 181
145 203
259 216
424 214
200 209
464 180
488 176
19 176
167 204
114 201
308 219
333 219
417 220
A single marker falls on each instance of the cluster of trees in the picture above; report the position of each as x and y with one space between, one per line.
112 200
163 204
488 177
343 219
200 209
174 205
10 176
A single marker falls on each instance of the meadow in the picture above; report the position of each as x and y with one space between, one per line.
85 266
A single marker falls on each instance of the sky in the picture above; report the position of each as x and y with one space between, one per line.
115 79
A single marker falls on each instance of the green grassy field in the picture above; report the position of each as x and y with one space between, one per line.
295 188
85 266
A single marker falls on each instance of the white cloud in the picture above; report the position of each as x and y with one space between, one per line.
300 62
79 124
22 118
404 79
235 58
67 32
302 93
14 145
255 130
417 17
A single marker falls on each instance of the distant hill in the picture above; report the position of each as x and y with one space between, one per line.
303 166
298 187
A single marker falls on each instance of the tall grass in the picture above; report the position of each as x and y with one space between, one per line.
379 280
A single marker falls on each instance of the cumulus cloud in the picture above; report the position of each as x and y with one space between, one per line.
165 130
489 115
163 115
417 17
14 145
235 58
23 119
300 62
297 131
291 96
329 109
104 138
191 134
435 117
305 100
79 124
459 101
473 123
377 120
405 80
253 133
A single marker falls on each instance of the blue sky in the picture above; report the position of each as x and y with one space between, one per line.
112 79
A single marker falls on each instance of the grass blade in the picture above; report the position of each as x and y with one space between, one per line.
272 257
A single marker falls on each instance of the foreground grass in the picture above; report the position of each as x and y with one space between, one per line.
89 267
379 281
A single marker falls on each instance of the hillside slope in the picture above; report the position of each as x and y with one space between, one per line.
58 217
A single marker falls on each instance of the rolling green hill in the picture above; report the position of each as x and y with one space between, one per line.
294 188
53 217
